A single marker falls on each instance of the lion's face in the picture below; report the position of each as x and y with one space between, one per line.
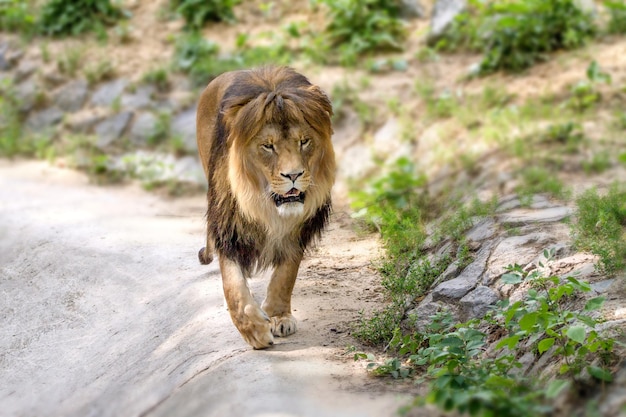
284 156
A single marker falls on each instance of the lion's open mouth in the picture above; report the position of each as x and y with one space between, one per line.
292 196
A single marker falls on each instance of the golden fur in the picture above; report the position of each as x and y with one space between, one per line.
264 139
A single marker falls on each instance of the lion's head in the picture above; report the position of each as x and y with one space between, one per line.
281 159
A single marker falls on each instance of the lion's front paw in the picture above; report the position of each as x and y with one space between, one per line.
284 325
254 326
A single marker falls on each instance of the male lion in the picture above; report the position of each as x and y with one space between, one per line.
264 141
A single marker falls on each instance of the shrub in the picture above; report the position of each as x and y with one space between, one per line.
514 35
73 17
198 12
524 31
360 26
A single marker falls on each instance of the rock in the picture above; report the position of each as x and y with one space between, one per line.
44 119
8 57
53 77
452 271
141 98
26 95
485 229
444 13
111 129
72 96
602 286
613 399
477 302
109 92
456 288
84 121
410 9
515 250
24 70
144 129
184 127
520 217
422 314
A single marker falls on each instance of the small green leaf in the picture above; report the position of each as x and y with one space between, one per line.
511 279
556 387
527 322
545 344
595 303
600 373
576 333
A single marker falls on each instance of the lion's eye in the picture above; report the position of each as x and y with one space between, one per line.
268 147
304 142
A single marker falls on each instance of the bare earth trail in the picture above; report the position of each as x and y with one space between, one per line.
105 311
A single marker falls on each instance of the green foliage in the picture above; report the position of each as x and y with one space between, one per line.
514 35
17 16
617 11
10 126
467 375
198 12
74 17
358 27
600 227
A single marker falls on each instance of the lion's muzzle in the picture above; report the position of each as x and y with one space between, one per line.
293 196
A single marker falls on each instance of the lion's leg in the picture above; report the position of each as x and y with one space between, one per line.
277 304
250 320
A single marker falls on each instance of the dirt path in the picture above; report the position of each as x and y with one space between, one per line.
105 311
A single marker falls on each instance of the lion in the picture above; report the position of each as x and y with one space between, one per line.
264 139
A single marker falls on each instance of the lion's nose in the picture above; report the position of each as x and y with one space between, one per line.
293 176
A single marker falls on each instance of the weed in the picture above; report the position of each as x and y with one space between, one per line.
600 227
100 71
17 16
159 77
344 95
358 27
69 61
538 180
599 162
198 12
74 17
584 94
617 21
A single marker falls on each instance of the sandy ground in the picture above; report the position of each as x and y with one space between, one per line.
106 311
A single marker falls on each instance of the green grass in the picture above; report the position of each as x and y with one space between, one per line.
600 227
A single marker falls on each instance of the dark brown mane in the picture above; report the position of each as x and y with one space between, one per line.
273 95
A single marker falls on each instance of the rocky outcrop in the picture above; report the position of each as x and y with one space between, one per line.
116 112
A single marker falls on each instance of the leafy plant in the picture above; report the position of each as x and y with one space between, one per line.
358 27
17 16
600 227
73 17
617 21
537 180
198 12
